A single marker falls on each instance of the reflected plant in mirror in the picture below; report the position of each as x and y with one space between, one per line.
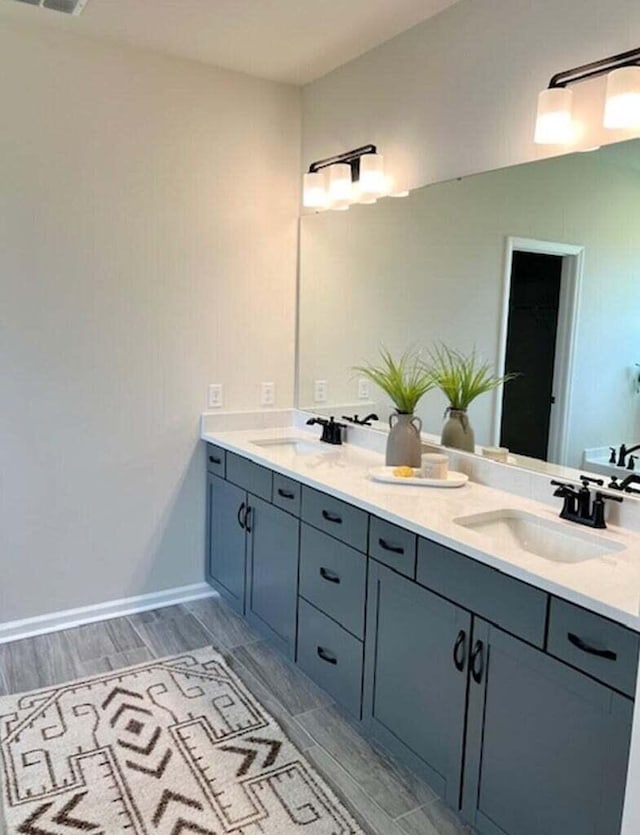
462 378
405 381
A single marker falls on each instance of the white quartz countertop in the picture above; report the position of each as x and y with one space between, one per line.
608 585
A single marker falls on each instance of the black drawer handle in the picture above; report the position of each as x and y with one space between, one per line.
242 515
386 546
331 517
248 515
477 661
286 494
329 576
609 654
459 650
215 460
326 656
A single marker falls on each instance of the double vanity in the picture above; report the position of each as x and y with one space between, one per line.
488 644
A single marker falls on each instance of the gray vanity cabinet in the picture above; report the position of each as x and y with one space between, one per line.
272 568
547 746
226 540
416 677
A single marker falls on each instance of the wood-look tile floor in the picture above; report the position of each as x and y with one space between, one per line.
389 799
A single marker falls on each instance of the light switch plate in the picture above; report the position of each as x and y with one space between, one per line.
363 388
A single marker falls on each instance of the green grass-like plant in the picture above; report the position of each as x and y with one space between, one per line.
463 377
405 380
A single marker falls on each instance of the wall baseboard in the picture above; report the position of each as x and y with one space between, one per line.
54 622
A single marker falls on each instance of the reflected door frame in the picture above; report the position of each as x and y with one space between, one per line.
570 289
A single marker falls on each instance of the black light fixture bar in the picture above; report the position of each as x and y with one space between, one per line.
604 65
351 158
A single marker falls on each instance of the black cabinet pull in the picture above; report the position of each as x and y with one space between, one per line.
332 517
242 515
477 662
215 460
248 514
609 654
329 576
459 650
386 546
286 494
326 656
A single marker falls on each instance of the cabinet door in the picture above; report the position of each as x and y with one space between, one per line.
272 592
547 746
416 677
226 540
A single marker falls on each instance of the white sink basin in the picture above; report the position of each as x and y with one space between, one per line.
542 537
298 445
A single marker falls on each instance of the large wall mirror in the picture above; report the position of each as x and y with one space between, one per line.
537 267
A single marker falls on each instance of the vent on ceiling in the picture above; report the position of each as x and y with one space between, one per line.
66 6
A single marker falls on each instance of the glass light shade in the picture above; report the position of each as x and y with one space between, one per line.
372 180
395 186
359 197
553 125
314 193
622 102
340 186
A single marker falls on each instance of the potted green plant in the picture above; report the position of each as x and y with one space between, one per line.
461 378
405 380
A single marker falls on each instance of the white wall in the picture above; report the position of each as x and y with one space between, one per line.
430 269
457 94
147 248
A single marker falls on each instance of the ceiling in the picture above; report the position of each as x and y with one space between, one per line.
294 41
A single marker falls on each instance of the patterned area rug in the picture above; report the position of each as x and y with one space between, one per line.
167 747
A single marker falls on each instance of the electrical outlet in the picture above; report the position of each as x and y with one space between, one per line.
363 388
214 398
320 391
267 394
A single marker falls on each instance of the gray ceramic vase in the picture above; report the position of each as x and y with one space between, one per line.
457 432
404 447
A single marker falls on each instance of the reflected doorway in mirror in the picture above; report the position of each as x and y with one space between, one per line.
562 265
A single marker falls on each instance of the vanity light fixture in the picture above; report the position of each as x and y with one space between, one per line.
355 176
622 103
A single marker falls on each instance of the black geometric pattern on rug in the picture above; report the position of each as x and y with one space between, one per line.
167 747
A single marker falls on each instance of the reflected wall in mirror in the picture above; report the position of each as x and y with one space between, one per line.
445 266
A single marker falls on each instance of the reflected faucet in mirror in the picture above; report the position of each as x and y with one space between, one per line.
622 454
365 421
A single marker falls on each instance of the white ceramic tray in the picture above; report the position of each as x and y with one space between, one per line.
386 475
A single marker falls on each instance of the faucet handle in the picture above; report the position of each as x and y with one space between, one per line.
586 481
598 508
612 457
632 462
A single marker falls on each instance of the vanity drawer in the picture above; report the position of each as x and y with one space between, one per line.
330 656
216 460
605 650
252 477
508 603
287 493
393 546
335 517
333 577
